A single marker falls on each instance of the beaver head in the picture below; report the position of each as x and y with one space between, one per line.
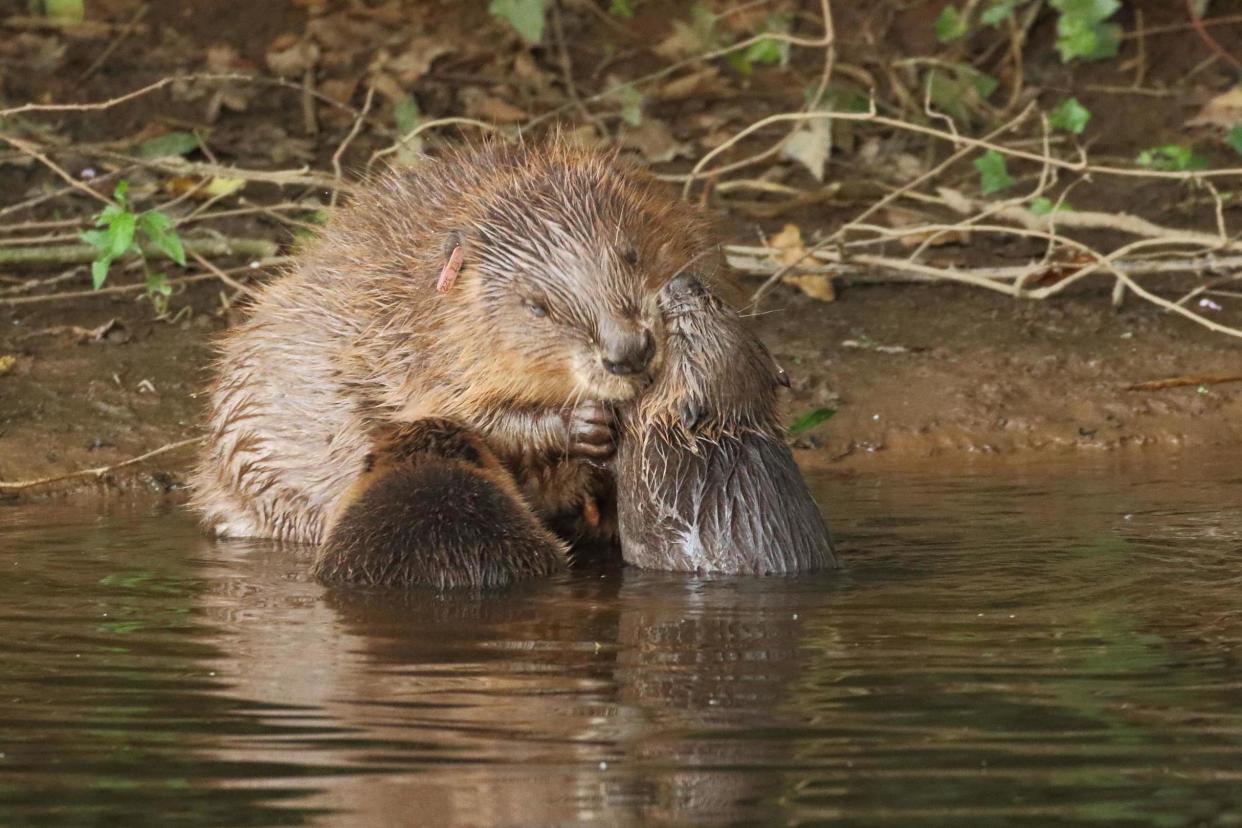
570 255
723 380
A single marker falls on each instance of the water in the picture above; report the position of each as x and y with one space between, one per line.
1007 647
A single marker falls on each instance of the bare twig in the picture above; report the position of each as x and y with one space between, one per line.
1197 23
99 472
340 151
113 290
83 253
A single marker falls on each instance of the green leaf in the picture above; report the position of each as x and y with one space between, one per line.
169 144
982 82
122 187
1235 138
406 114
951 25
765 51
993 173
1171 158
1042 206
998 12
157 283
631 104
810 420
959 90
1082 32
99 271
621 8
1070 116
65 11
1093 11
95 238
121 234
526 16
159 229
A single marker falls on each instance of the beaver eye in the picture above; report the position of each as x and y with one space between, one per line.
536 309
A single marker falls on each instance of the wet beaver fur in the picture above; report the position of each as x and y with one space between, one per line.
705 481
512 289
434 506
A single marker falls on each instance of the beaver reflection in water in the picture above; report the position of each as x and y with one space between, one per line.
434 506
705 481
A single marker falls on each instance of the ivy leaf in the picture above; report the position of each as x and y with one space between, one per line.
1171 158
1043 206
169 144
1093 11
810 420
1235 138
951 25
631 104
65 11
526 16
959 90
406 114
993 173
1070 116
159 229
1082 32
998 12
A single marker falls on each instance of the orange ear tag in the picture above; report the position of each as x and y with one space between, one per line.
448 275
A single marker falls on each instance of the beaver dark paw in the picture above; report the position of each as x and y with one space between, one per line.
592 431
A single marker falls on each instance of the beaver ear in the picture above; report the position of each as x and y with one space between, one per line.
368 463
454 254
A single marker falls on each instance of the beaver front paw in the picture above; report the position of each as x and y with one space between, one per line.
592 431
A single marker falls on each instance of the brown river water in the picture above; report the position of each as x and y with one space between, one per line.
1059 644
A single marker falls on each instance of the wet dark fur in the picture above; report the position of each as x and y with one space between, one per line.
434 507
705 480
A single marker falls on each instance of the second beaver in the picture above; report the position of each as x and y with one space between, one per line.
434 507
705 481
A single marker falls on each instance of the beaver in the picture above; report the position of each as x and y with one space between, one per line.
434 506
511 288
705 481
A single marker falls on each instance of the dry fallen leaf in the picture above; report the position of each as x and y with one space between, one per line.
696 84
291 59
416 60
810 146
1223 111
479 104
788 244
815 285
7 361
790 250
654 140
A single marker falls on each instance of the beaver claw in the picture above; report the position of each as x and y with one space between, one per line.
591 428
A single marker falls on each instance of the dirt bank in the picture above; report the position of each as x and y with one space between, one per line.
913 373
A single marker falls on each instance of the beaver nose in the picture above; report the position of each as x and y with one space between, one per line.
628 353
